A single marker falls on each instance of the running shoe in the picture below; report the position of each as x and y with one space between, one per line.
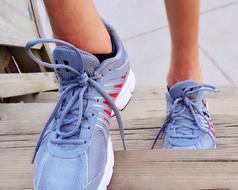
74 150
188 124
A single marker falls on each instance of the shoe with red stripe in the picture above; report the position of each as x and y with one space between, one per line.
75 150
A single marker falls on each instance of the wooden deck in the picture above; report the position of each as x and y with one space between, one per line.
138 168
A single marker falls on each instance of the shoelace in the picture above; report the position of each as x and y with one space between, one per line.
81 84
183 109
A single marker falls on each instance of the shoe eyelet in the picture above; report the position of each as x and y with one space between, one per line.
93 114
66 62
89 128
85 142
109 69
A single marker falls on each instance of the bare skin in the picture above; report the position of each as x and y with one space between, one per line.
183 17
78 22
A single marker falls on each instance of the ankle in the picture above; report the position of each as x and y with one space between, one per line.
172 81
184 65
183 72
91 43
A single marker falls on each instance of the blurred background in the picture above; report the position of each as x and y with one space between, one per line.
143 27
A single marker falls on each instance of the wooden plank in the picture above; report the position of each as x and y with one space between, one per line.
140 170
18 119
142 118
19 84
136 139
17 24
42 19
43 24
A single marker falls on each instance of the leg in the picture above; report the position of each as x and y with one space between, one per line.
89 91
183 17
78 22
188 124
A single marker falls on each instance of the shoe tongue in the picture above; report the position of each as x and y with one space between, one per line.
67 56
176 91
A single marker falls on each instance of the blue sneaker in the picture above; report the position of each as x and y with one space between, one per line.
188 124
75 150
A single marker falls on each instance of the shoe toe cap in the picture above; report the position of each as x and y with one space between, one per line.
205 141
54 173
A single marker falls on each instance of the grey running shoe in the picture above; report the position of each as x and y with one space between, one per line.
75 150
188 124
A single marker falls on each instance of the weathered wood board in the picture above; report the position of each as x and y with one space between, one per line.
139 168
17 23
26 83
5 58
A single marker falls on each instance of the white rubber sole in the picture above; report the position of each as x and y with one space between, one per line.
121 101
126 92
109 167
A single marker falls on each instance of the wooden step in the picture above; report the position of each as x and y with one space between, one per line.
14 84
141 170
138 168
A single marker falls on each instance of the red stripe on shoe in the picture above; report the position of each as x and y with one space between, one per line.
210 125
106 102
124 77
118 86
114 95
106 121
107 112
213 131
